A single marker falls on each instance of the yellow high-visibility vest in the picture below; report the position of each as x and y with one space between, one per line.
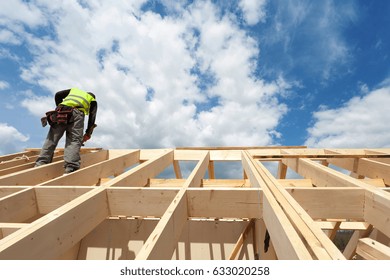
79 99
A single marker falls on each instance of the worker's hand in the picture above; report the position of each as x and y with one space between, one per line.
86 137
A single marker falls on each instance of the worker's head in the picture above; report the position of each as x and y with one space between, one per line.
92 94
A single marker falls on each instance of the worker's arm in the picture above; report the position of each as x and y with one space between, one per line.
92 116
60 96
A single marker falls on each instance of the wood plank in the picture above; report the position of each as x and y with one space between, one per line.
25 166
37 175
5 191
205 183
139 175
287 243
176 168
318 242
225 203
195 178
370 249
16 156
211 170
331 203
163 240
377 201
141 202
18 207
282 171
377 210
350 249
300 183
54 234
327 225
9 228
241 240
51 198
91 175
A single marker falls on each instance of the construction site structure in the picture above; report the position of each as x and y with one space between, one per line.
210 203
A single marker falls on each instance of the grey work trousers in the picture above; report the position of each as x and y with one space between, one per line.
74 137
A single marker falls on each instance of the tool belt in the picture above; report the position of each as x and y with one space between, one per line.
61 115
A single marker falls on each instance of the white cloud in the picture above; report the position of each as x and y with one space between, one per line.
3 85
361 122
253 10
141 67
21 12
8 37
11 140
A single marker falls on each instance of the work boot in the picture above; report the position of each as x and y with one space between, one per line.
69 170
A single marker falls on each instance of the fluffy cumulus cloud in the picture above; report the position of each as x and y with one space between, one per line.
253 10
362 122
181 79
11 139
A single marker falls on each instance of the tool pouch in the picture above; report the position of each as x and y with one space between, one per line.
61 115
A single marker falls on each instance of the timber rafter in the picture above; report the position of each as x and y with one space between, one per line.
193 203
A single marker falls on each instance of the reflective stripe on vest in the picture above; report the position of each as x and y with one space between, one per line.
79 99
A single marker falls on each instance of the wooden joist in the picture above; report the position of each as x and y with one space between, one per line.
155 201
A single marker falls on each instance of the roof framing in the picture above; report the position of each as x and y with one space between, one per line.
305 199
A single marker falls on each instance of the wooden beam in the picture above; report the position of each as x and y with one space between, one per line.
54 234
282 170
225 203
176 168
377 202
328 225
163 240
370 249
9 228
141 202
91 175
51 198
331 202
5 191
138 176
196 176
16 156
37 175
350 249
241 239
317 241
287 243
18 207
211 170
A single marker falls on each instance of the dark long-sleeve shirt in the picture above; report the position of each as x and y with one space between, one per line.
60 96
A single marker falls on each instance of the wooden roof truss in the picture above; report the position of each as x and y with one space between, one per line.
198 203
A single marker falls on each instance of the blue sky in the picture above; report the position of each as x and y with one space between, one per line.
200 73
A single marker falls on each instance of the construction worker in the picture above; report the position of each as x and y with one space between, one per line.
72 105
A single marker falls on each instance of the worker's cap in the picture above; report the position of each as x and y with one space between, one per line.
92 94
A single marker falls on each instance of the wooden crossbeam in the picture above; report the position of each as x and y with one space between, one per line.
287 243
144 202
54 234
139 175
241 240
318 242
18 207
377 201
225 203
370 249
91 175
34 176
163 240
